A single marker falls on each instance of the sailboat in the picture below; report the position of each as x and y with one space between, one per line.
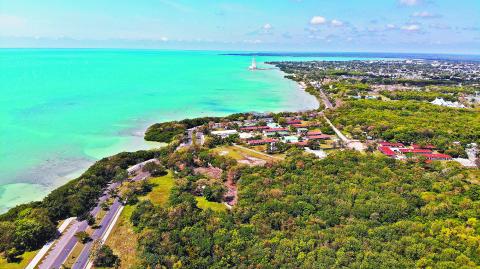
253 66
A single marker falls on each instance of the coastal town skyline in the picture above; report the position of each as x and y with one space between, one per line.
288 25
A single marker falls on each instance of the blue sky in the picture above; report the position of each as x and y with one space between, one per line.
446 26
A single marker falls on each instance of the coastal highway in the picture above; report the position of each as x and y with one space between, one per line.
67 241
84 256
107 221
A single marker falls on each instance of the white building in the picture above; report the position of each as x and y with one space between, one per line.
225 133
442 102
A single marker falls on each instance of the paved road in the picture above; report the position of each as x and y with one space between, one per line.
107 221
326 101
64 245
84 256
189 141
352 144
67 241
46 248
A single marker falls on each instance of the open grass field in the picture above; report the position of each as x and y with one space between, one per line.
204 204
240 153
161 190
123 241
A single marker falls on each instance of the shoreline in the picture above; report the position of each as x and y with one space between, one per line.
130 135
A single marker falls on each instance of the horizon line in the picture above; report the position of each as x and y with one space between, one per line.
240 50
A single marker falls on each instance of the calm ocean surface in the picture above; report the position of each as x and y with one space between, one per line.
60 110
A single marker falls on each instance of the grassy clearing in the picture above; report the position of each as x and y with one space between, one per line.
25 259
239 153
204 204
124 238
161 190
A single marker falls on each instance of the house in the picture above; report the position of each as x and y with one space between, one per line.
290 139
254 128
302 130
273 125
261 142
311 133
386 151
279 133
299 125
318 137
245 135
275 130
415 151
291 122
224 133
442 102
437 157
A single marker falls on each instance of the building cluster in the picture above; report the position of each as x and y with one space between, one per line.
400 151
265 131
466 72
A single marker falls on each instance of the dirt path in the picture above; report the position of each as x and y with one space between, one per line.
231 197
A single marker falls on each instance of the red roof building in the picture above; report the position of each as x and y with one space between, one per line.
437 157
386 151
318 137
415 151
254 128
290 122
314 133
299 125
261 142
272 130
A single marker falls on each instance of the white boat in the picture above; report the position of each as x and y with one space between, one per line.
253 66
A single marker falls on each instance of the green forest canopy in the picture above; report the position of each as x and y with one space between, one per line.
348 210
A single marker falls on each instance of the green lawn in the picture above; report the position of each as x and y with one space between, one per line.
240 153
161 190
204 204
25 259
123 239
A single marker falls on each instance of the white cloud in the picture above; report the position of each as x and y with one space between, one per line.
11 21
252 41
423 14
317 20
336 23
411 27
409 2
391 26
267 27
164 39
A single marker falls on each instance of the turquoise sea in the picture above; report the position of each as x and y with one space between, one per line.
62 109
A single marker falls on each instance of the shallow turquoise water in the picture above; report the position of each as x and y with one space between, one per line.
60 110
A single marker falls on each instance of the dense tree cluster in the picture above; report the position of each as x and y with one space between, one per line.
29 226
409 121
166 131
418 95
348 210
